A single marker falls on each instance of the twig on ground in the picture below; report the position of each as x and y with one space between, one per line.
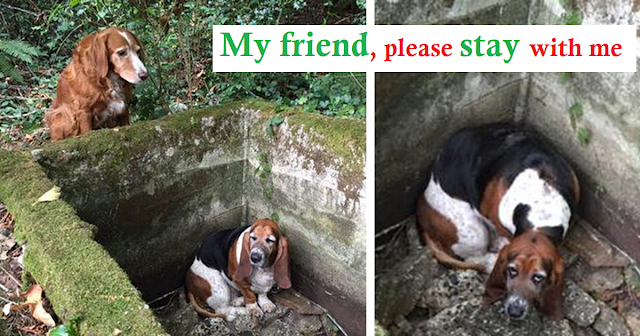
11 276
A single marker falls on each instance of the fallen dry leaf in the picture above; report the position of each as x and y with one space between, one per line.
34 303
52 195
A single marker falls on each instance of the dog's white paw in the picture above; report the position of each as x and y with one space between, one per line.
237 302
268 307
254 310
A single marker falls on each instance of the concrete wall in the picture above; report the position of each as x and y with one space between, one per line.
316 188
414 115
155 189
154 192
419 12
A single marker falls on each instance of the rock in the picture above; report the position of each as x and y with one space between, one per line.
583 331
594 247
452 288
472 318
609 323
602 279
557 328
279 328
397 288
212 326
244 323
404 325
632 278
633 321
308 324
298 303
579 307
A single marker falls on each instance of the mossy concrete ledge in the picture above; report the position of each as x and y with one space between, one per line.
78 275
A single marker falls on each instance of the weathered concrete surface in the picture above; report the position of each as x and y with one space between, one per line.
316 187
421 12
505 12
415 113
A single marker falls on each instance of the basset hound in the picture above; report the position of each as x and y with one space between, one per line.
95 89
500 200
232 266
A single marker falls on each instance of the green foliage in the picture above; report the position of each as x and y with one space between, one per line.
177 44
18 50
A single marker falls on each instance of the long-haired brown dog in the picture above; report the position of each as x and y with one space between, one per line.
95 89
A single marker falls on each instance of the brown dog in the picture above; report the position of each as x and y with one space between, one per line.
95 89
232 266
500 200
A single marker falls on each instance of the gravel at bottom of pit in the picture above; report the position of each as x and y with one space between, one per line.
295 315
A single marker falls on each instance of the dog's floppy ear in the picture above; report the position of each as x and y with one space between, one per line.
281 269
244 266
551 302
495 288
98 55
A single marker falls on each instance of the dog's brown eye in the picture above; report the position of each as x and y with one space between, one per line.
122 53
253 237
271 241
512 272
537 278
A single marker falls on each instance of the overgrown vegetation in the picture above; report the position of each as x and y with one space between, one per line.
176 35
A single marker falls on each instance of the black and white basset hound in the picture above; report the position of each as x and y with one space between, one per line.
500 200
231 267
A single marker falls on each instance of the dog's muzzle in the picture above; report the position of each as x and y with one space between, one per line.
257 257
516 307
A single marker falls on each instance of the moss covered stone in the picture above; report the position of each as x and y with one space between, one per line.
78 275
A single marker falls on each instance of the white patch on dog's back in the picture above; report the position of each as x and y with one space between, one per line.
548 207
473 238
217 284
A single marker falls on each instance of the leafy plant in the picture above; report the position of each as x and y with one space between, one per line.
15 50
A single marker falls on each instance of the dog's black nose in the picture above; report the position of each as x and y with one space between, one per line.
143 75
515 311
256 257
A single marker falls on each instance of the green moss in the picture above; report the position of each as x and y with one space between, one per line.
78 275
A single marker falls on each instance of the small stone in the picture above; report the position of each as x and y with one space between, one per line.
602 279
591 245
609 323
632 278
403 324
583 331
279 328
633 321
292 299
579 307
452 288
557 328
212 326
37 154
